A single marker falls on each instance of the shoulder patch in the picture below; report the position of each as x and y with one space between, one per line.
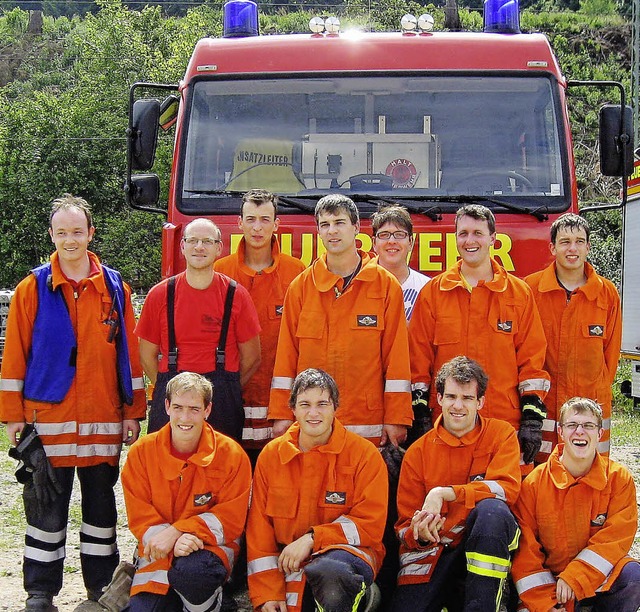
202 499
337 498
366 320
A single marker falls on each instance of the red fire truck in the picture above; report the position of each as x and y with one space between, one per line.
429 120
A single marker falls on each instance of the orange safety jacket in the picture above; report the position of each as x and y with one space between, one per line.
267 289
359 337
206 495
584 335
580 530
483 464
84 429
339 490
497 324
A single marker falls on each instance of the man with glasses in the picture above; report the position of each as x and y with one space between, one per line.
186 488
581 315
476 308
266 273
393 242
579 515
183 327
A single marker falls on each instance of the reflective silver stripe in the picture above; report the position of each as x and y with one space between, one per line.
98 550
262 564
604 447
255 412
99 450
419 386
401 533
415 569
534 384
294 577
11 384
231 556
417 555
159 576
259 433
595 560
98 532
534 580
366 431
55 429
84 450
149 533
359 552
292 599
496 488
397 386
282 382
350 530
214 525
606 423
137 383
548 425
45 556
102 429
546 447
205 606
49 537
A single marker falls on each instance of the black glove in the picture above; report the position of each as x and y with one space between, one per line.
36 467
422 422
393 456
530 434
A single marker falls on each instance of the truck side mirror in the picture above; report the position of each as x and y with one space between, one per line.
144 190
144 133
616 141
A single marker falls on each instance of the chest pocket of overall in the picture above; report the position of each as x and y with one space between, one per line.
280 503
338 493
447 331
311 325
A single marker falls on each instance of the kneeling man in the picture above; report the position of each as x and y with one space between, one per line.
457 483
578 515
314 535
186 488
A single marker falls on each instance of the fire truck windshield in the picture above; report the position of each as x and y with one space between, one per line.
419 137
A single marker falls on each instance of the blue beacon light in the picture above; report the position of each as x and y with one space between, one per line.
240 19
502 16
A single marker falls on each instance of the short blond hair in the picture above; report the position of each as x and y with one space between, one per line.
581 405
186 382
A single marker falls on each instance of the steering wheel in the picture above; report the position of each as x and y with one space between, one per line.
527 185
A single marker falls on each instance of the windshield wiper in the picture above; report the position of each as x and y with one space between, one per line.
541 213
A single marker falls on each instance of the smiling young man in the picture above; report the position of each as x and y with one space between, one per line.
477 309
345 314
318 508
71 370
457 484
266 273
579 516
393 242
192 305
581 315
186 488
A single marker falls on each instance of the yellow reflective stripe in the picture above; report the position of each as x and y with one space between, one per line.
516 540
487 565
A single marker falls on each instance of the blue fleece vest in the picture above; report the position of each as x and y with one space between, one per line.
51 365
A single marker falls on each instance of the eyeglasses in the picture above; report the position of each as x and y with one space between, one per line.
206 242
399 235
586 426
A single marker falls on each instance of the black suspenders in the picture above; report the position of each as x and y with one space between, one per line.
172 355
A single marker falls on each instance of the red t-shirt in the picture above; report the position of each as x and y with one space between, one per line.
198 319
